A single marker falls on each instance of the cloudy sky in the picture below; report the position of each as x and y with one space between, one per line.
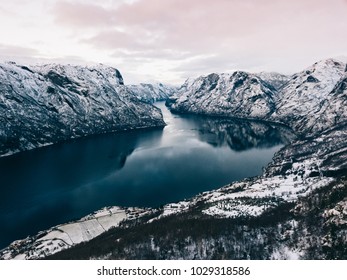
170 40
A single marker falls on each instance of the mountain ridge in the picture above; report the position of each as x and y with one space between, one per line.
241 95
152 92
41 105
294 103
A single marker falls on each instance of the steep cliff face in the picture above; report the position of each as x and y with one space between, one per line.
241 95
46 104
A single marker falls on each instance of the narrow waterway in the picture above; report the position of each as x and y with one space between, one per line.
55 184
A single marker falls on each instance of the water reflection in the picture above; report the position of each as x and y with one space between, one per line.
242 135
42 187
55 184
66 165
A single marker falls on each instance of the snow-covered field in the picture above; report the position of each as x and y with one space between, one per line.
67 235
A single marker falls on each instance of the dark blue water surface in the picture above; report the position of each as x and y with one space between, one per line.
51 185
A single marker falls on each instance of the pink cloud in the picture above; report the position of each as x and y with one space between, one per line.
195 23
81 14
238 32
16 51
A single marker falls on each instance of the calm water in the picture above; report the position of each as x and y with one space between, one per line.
55 184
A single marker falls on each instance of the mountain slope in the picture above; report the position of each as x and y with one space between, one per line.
311 99
50 103
240 95
308 102
152 92
276 80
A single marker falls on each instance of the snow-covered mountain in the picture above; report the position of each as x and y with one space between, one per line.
40 105
308 102
275 79
152 92
314 99
241 95
296 209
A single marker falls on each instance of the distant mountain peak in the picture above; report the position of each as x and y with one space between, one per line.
329 62
152 92
274 79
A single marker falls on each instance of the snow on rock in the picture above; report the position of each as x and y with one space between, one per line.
223 210
260 195
337 215
308 102
45 104
174 208
152 92
241 95
276 80
286 253
314 99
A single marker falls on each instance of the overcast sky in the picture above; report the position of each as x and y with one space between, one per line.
170 40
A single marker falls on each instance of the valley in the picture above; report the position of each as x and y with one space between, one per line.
295 208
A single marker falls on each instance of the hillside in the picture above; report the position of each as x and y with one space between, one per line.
46 104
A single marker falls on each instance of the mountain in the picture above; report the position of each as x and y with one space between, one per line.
152 92
308 102
240 95
312 100
275 79
45 104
